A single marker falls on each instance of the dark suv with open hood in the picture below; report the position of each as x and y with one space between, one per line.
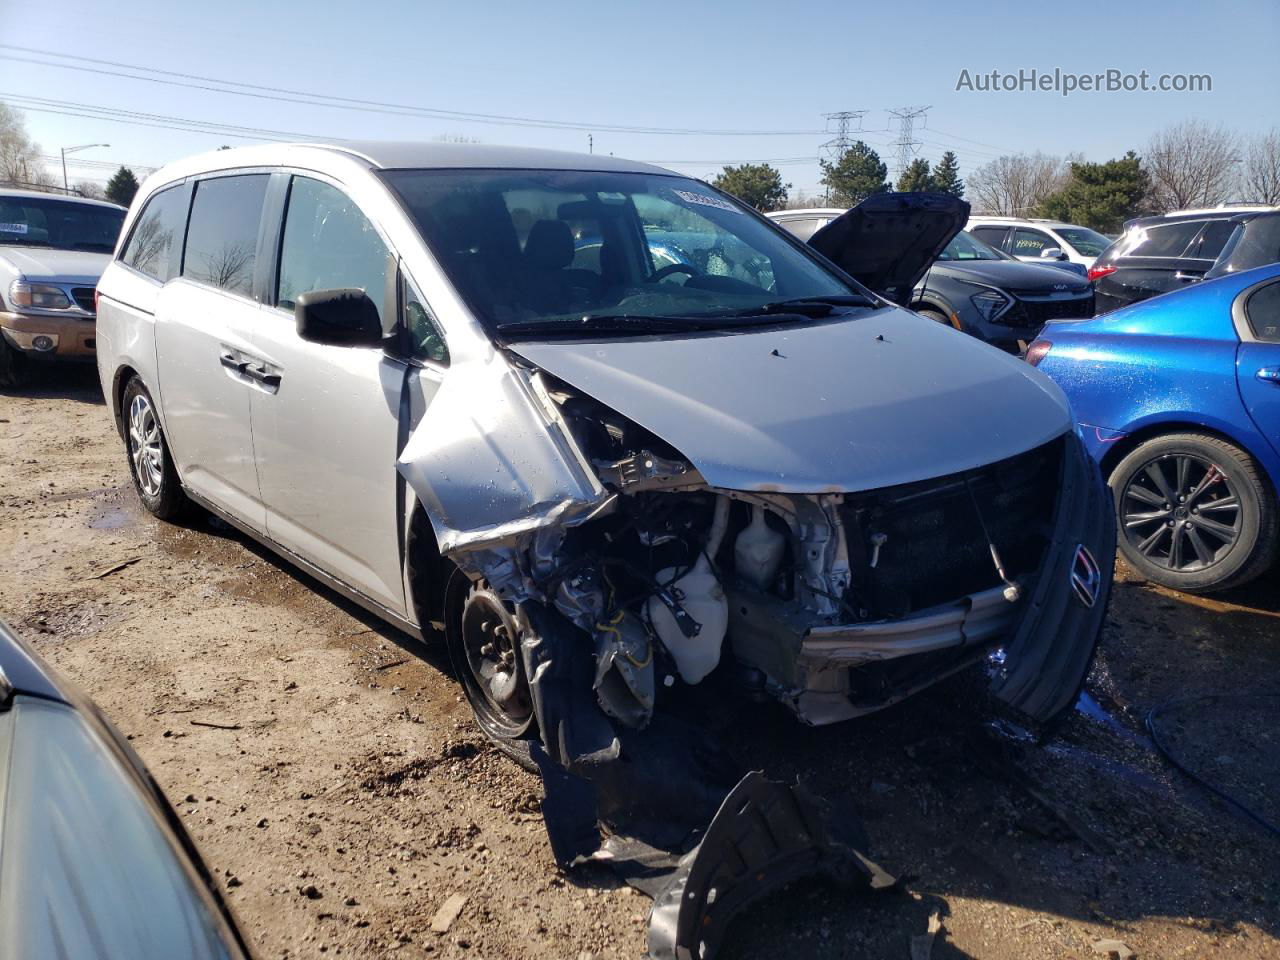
970 285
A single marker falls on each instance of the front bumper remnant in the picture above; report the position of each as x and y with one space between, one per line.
765 836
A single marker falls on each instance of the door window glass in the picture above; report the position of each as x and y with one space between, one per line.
1212 240
803 229
1263 311
1029 243
991 235
156 242
222 238
1167 240
329 244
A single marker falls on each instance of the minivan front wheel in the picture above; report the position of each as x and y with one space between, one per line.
150 465
1194 513
483 633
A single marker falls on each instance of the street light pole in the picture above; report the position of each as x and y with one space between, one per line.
65 150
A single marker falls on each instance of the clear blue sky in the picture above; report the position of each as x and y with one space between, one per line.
742 65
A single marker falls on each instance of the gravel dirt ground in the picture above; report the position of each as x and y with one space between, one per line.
333 779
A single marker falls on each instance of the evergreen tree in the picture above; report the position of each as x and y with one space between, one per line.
856 175
946 176
757 184
916 178
122 187
1100 195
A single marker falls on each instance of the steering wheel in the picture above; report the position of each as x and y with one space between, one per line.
662 273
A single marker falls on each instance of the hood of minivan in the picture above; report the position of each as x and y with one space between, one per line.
887 241
866 401
1014 275
48 263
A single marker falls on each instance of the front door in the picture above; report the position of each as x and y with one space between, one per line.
1258 362
205 321
326 419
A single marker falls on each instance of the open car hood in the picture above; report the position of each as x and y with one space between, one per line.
888 241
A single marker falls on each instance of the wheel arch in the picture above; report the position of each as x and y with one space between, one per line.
1121 448
431 579
124 373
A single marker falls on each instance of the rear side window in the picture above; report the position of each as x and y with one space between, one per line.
222 238
329 244
1029 243
1165 240
1263 311
1211 240
991 235
803 229
156 242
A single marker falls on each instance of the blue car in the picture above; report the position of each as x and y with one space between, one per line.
1178 398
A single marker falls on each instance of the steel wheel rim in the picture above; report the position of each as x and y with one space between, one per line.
145 448
1181 512
489 637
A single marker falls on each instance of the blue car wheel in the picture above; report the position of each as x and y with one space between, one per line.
1194 513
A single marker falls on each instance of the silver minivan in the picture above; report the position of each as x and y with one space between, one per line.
606 429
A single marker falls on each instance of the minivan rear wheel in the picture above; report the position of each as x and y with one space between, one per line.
482 633
150 464
1194 512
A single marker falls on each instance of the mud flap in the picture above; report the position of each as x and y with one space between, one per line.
765 836
1045 663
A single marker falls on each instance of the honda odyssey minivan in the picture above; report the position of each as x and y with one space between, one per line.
454 383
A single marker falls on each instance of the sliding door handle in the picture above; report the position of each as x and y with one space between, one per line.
259 375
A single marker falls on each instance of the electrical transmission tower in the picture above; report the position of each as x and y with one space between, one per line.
906 146
835 148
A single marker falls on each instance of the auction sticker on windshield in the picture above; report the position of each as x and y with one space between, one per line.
13 228
690 197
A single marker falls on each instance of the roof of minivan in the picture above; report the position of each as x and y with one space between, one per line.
409 154
41 194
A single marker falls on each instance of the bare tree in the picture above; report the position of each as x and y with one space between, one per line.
1192 165
89 188
20 157
1261 180
1013 186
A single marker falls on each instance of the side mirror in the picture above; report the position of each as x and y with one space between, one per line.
1053 253
338 318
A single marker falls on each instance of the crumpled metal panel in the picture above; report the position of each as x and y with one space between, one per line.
868 401
491 461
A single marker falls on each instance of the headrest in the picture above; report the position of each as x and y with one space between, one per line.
550 245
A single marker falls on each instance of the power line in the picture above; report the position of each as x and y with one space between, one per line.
287 95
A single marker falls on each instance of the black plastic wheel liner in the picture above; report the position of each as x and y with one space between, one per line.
765 836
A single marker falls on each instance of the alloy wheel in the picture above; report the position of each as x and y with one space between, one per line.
1181 512
145 448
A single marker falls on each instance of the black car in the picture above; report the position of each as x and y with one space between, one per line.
1155 255
969 285
93 861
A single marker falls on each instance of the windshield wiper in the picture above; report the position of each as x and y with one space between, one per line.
819 306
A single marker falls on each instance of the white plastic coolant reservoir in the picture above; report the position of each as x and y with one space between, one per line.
700 595
757 552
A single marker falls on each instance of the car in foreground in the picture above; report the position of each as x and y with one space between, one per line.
1037 240
53 249
1178 399
1161 254
93 860
976 288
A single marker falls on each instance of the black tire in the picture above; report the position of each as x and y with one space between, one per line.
13 365
154 477
512 730
935 315
1208 494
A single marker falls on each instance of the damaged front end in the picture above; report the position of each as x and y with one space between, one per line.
626 573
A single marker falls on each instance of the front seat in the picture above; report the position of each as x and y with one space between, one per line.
548 286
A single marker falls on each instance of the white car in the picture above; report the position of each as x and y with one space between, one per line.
1040 240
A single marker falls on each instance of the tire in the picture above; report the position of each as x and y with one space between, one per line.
509 723
150 463
935 315
1207 493
13 365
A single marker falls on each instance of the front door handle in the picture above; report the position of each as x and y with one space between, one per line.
1189 275
1269 375
269 380
232 364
